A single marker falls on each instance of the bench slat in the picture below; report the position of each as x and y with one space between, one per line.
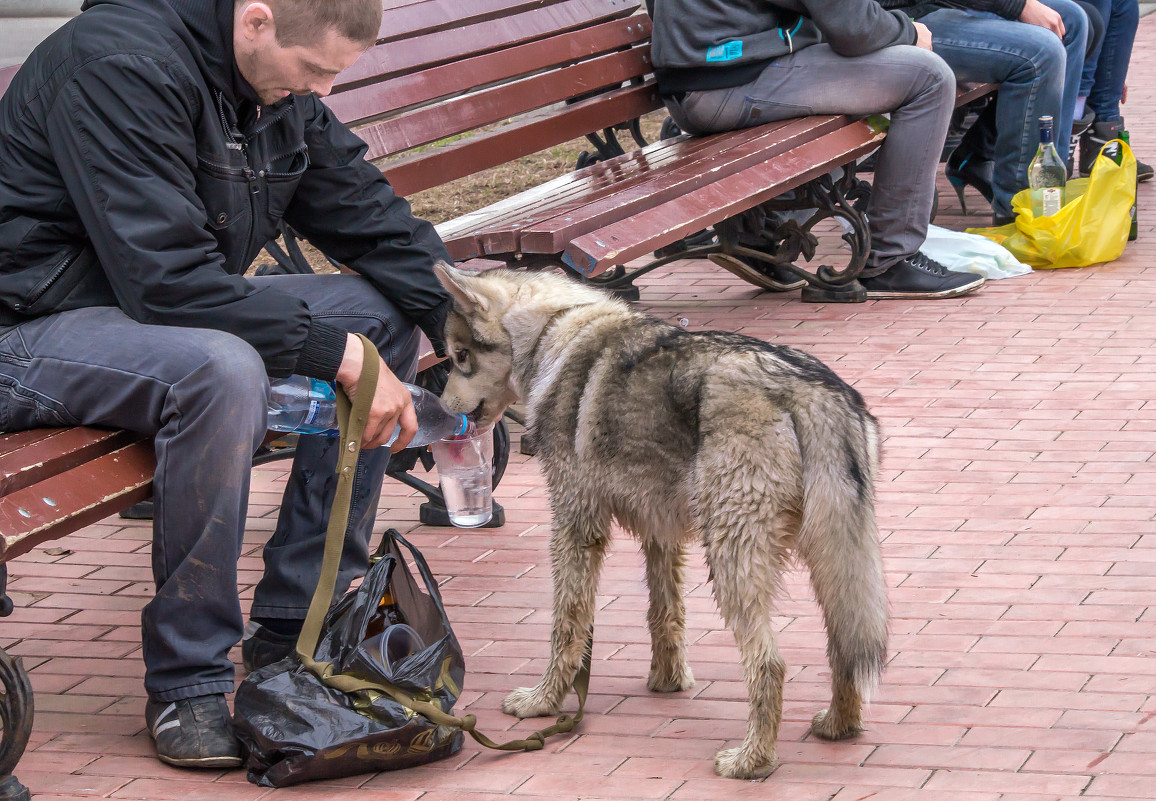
628 239
405 19
492 148
376 100
75 498
566 190
497 227
21 439
445 46
48 451
967 92
552 234
431 123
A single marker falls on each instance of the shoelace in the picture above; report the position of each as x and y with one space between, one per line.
921 261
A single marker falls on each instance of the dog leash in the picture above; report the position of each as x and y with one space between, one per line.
352 418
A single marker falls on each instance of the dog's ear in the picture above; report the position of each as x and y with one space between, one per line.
458 284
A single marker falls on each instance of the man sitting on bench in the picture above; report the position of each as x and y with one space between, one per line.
150 150
738 63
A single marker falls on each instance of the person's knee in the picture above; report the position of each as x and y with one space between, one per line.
1125 14
391 332
1077 26
227 375
1044 58
937 74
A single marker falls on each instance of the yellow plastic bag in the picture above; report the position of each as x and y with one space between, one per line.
1091 228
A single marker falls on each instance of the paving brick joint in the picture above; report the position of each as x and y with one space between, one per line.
1019 535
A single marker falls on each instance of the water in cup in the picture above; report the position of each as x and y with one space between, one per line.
467 494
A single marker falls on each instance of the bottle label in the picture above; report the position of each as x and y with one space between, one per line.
1052 200
314 412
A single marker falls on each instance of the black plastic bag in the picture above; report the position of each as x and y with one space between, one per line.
296 728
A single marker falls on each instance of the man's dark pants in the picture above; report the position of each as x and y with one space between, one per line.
204 395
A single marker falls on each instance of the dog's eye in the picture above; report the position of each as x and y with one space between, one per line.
461 355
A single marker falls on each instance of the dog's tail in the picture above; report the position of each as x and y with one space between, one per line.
838 539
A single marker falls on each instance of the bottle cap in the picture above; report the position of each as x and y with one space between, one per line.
465 423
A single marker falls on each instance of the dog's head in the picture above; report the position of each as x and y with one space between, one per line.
497 320
481 383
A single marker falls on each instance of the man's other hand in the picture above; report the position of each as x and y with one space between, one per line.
922 36
1036 13
392 404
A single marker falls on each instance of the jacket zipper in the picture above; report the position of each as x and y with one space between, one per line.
300 149
247 171
48 282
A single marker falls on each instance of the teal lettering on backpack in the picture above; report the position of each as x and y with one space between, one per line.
728 51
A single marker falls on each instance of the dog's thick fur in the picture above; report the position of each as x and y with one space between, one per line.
758 451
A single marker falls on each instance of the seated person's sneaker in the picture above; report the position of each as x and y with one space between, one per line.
1100 134
262 646
194 732
917 276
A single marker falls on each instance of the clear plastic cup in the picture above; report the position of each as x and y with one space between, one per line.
465 467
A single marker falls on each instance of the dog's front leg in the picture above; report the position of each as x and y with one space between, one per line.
577 549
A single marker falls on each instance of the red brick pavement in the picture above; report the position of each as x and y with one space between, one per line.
1018 523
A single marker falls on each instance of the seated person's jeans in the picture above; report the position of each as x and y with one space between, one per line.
913 84
1038 75
1106 67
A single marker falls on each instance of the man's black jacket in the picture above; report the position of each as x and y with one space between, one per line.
137 170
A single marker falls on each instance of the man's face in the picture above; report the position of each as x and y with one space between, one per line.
274 71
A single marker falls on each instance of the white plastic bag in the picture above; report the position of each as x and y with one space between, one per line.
971 253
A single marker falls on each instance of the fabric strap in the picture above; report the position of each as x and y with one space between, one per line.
352 418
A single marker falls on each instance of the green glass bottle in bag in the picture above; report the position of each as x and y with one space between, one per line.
1134 211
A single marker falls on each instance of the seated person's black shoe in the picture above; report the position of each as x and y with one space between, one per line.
967 169
1079 128
1143 171
263 646
194 732
917 276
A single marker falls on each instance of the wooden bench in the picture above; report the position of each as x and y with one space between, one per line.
458 86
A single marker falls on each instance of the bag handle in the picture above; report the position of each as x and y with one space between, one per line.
352 418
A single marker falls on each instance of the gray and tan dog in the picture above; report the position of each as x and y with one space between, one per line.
760 452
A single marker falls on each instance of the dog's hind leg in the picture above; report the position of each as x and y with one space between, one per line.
746 560
847 576
577 549
665 565
839 542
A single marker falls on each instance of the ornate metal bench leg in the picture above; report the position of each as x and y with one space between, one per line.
15 710
775 234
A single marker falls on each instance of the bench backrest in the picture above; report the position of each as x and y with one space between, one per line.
549 70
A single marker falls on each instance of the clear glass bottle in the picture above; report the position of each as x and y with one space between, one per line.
309 406
1047 174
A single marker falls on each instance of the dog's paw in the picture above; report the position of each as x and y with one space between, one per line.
828 727
524 702
670 678
736 763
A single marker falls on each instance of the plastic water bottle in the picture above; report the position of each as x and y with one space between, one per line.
309 406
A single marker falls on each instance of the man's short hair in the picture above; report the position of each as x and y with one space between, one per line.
302 22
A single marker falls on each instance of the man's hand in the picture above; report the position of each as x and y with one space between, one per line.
923 35
1124 94
392 405
1036 13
